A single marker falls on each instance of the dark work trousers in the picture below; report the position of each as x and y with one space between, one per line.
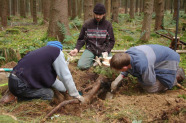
24 92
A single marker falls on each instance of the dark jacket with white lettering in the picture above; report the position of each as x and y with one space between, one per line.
98 36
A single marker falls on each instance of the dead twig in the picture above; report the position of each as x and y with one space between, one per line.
180 86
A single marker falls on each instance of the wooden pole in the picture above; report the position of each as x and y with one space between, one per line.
120 51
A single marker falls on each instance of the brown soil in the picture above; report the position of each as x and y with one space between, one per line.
130 99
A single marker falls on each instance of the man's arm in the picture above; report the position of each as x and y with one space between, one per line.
110 38
82 38
64 74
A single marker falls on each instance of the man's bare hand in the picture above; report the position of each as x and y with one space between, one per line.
73 52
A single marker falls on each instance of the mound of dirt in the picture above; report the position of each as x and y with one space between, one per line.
129 103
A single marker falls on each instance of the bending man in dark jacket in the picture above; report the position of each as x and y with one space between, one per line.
98 36
155 66
35 74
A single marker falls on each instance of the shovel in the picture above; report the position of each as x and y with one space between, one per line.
6 69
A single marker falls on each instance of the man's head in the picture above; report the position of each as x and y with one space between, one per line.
55 44
120 62
99 11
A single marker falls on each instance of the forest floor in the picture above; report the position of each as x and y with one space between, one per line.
129 104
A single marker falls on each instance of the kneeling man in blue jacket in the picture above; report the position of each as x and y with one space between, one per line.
155 66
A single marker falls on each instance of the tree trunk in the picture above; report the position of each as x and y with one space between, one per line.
165 5
31 7
69 8
185 6
148 9
4 13
46 10
22 9
175 9
141 6
115 8
1 8
126 6
27 6
14 7
58 19
108 8
80 8
88 8
39 5
159 9
132 4
74 14
137 4
98 1
171 7
8 9
34 12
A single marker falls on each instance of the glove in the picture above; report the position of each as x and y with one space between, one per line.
105 54
81 99
115 83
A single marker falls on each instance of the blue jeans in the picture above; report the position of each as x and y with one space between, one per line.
20 89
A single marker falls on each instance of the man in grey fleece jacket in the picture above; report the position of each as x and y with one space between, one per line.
155 66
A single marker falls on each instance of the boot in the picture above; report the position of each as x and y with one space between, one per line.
8 98
180 75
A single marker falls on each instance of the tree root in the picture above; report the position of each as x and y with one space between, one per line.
180 86
88 98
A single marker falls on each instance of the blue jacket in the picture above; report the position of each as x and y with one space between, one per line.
151 62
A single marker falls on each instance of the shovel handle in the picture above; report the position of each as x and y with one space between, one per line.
6 69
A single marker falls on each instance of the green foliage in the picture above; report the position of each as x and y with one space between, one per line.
7 119
106 71
182 96
76 23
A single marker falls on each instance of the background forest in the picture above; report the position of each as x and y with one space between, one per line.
27 25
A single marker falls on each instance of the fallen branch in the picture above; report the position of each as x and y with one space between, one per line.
180 86
88 98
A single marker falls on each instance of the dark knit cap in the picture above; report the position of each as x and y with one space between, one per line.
99 9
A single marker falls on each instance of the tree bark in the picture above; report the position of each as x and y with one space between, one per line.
141 6
74 14
137 4
108 8
159 9
115 7
14 7
88 8
22 9
185 6
46 10
34 12
69 8
8 9
126 6
175 9
31 7
80 8
132 4
58 19
1 8
148 9
4 12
